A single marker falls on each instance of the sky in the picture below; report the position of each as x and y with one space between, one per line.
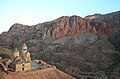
31 12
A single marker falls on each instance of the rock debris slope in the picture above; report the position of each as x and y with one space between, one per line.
76 45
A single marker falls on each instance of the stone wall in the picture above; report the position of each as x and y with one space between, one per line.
18 67
27 66
47 70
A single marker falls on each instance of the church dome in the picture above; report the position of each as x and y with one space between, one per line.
24 46
16 52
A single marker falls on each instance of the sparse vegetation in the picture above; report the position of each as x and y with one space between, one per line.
5 53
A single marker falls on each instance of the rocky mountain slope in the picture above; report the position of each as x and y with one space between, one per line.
78 46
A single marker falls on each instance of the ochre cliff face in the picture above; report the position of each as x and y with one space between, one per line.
71 43
63 26
68 26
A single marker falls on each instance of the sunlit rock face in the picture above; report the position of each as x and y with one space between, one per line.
63 26
71 43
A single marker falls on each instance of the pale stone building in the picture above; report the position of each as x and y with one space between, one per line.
6 62
21 61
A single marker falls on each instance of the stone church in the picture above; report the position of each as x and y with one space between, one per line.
21 61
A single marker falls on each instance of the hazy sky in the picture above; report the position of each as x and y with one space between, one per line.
31 12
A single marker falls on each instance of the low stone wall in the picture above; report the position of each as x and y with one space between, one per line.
42 71
3 66
46 70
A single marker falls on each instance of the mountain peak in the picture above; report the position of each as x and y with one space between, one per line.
97 15
76 45
16 27
64 26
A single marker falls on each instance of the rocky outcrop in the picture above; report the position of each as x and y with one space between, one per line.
74 44
63 26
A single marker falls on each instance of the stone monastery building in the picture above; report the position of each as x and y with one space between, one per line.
20 61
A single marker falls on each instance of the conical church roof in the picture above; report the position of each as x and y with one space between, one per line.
24 46
16 50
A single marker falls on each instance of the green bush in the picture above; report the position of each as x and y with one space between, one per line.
5 53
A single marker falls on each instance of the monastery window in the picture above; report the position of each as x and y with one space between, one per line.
23 65
23 68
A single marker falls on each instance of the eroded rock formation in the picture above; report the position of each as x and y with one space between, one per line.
74 44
